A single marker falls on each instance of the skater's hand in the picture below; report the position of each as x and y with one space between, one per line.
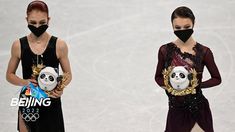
56 93
33 81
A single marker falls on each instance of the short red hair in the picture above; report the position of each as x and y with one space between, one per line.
37 5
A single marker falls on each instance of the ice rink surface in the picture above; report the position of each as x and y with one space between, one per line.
113 48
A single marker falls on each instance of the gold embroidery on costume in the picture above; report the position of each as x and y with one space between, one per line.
36 70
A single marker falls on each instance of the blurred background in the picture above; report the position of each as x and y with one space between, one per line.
113 47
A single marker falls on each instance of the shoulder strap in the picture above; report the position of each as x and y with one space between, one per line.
52 42
23 44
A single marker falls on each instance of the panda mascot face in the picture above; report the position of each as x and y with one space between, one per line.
179 78
47 79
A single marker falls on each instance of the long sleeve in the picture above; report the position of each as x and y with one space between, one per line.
160 67
213 70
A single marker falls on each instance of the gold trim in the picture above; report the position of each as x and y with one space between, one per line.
186 91
36 70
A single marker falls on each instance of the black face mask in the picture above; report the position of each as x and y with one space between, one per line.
38 31
184 35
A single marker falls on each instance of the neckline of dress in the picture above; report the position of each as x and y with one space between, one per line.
45 48
186 53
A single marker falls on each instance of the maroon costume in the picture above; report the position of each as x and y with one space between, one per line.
185 111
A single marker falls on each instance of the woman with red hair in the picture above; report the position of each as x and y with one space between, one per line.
39 47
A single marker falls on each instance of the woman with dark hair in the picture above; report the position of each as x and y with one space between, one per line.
39 47
182 62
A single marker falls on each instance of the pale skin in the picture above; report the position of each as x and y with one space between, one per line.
37 45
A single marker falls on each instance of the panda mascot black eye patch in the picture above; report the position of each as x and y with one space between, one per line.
182 75
42 76
173 75
51 78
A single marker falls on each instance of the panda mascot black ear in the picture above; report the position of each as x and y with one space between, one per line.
56 70
190 76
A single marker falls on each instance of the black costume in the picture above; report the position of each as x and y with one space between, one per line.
51 117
